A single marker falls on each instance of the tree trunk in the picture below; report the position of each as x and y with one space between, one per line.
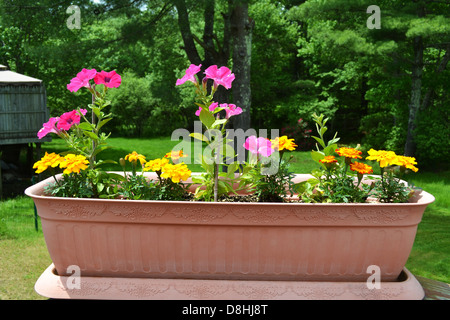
440 68
241 30
416 91
186 34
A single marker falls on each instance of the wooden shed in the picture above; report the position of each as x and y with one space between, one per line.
23 110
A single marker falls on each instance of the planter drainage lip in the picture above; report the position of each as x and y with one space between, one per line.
53 286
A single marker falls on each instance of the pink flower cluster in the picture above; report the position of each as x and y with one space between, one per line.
62 123
220 76
109 79
212 108
259 146
230 109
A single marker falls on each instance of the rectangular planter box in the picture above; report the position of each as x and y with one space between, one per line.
250 241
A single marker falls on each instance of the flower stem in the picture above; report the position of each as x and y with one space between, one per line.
216 181
94 143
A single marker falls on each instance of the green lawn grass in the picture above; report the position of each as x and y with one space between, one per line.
23 254
430 256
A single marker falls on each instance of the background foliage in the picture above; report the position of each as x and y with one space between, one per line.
307 56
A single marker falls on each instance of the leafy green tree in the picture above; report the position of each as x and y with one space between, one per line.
396 60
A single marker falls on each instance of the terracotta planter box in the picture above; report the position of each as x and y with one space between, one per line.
233 241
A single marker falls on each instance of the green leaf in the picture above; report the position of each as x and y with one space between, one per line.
198 179
334 140
96 111
199 136
85 126
320 141
98 150
228 151
113 175
101 162
219 122
318 155
232 169
207 118
100 187
103 122
330 149
90 135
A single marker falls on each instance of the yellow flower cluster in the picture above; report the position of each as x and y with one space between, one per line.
349 153
361 168
407 162
328 159
175 172
74 163
389 158
156 165
70 163
175 155
134 157
283 143
48 160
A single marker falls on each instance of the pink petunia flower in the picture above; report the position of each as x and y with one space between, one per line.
231 110
212 107
81 80
83 112
190 74
262 146
109 79
68 119
222 76
48 127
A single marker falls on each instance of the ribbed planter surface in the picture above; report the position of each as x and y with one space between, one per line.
251 241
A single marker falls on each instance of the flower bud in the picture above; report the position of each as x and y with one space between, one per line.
122 162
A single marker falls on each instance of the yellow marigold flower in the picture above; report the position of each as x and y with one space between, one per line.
156 165
361 168
176 172
282 143
134 157
407 162
385 158
349 153
175 155
74 163
328 159
48 160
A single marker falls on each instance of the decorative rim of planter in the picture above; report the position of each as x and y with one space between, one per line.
232 213
420 199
